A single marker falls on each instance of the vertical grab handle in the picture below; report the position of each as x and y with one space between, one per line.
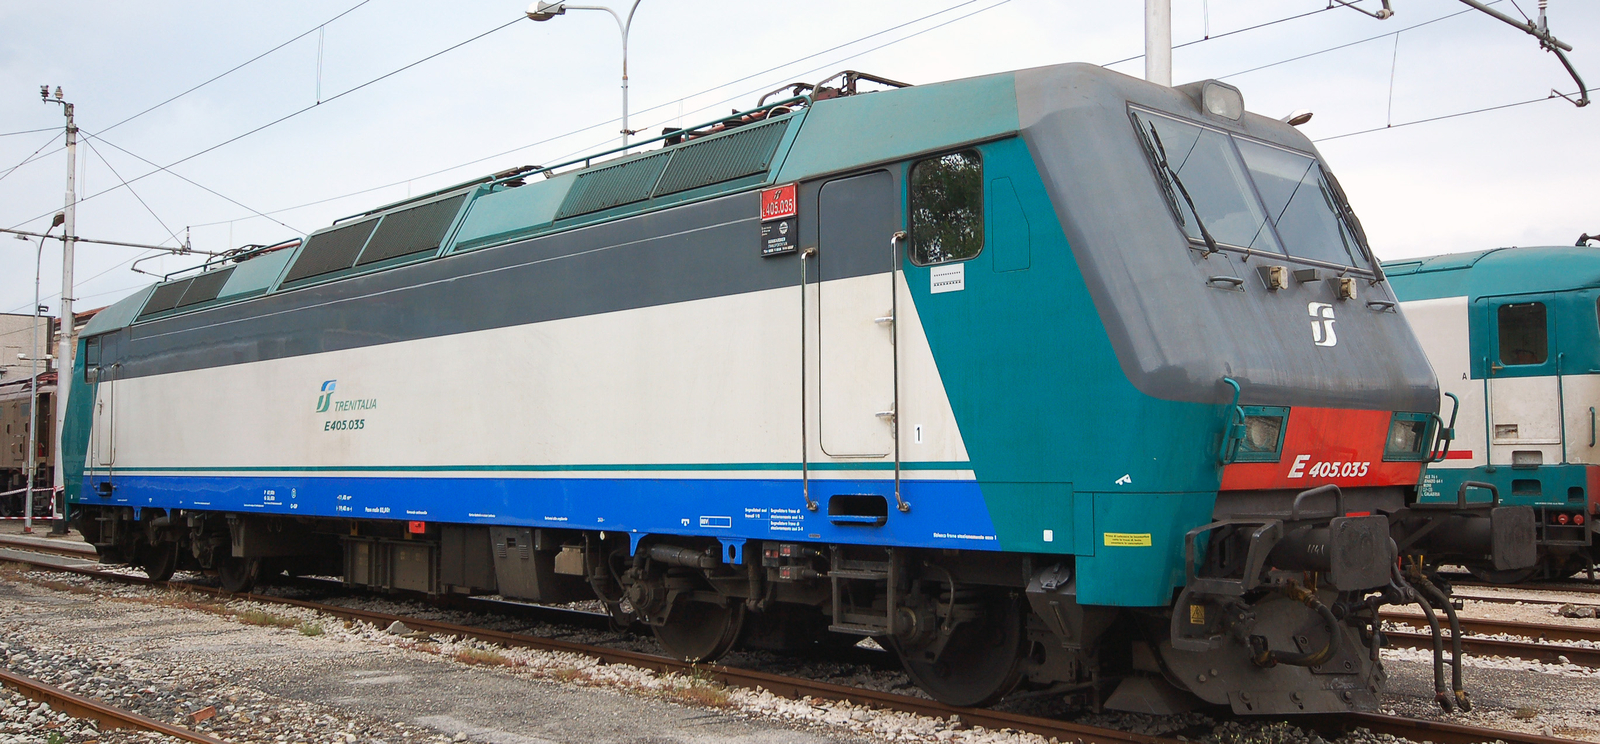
1232 427
894 346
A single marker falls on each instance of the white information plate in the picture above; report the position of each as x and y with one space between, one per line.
948 278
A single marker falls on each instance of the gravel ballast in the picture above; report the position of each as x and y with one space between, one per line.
283 675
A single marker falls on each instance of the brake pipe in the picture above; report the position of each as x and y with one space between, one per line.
1462 701
1441 694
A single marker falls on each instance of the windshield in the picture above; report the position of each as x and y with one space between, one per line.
1247 194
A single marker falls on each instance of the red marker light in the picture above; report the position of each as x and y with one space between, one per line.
418 528
1577 519
1561 518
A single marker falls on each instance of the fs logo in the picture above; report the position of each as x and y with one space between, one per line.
1322 326
326 399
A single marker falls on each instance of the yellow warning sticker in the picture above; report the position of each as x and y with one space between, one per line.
1127 540
1197 614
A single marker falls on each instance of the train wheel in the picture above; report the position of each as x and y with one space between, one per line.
981 662
238 575
160 560
701 631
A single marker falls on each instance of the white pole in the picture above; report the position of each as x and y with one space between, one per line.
33 397
626 27
67 339
1158 41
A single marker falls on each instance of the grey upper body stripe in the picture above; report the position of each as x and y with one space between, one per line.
447 280
699 250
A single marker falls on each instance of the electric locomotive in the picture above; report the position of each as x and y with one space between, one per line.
1053 379
1514 338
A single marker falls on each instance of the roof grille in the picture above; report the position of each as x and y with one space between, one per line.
414 230
205 287
165 298
331 251
744 152
614 185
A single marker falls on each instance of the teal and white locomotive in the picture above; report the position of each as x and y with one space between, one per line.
1514 336
1053 379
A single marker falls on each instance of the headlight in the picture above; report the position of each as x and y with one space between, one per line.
1408 436
1262 438
1261 433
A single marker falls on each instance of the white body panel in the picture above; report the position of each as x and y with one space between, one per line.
714 382
1515 414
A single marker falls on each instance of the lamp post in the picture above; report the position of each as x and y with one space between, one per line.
33 385
543 11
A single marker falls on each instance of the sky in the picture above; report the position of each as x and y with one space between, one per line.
330 108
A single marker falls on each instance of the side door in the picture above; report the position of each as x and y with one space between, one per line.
100 367
857 218
1521 368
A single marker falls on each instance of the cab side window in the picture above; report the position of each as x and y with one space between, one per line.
946 195
1524 336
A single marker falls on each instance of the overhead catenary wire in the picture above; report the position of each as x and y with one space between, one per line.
141 200
289 116
1552 96
1345 45
60 131
198 185
223 74
675 102
28 131
678 101
734 82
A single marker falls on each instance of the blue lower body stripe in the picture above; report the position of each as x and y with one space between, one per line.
943 514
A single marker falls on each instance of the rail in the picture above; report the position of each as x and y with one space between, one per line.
106 716
1415 729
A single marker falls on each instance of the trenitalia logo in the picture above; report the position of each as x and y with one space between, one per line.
1322 326
326 399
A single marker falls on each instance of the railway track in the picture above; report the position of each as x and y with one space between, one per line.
1417 730
1577 586
106 716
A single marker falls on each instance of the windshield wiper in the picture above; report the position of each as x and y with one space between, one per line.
1172 175
1347 216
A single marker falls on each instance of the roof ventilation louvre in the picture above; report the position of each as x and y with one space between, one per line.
614 185
411 231
746 151
165 297
205 287
331 251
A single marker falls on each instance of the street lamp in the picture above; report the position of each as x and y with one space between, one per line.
543 11
33 384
